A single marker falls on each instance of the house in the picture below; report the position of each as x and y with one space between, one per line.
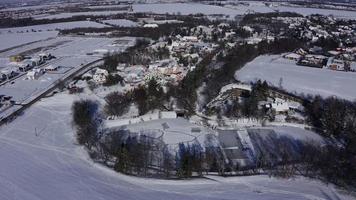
150 26
17 58
2 77
190 39
292 56
301 51
51 68
45 56
335 64
35 74
37 60
280 106
100 75
26 65
312 60
8 74
167 115
32 75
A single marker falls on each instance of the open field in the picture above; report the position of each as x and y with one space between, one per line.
52 27
195 8
121 22
9 40
299 79
12 37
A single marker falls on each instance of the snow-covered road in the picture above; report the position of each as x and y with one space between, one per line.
39 160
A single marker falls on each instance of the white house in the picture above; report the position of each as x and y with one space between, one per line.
8 73
190 39
26 65
35 74
292 56
150 26
280 105
45 56
335 64
100 75
51 68
167 115
32 75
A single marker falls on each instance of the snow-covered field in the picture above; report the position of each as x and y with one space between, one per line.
299 79
185 9
308 11
40 160
9 40
52 27
11 37
195 8
67 15
121 22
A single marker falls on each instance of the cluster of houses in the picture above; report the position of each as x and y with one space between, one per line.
21 64
277 103
341 59
162 71
319 30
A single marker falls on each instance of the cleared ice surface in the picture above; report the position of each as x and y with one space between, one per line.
40 160
299 79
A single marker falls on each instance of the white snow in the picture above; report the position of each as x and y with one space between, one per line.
121 22
53 27
12 37
17 39
40 160
68 15
299 79
295 133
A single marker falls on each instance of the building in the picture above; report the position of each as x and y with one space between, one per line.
51 68
100 75
150 26
8 74
32 75
35 74
26 65
292 56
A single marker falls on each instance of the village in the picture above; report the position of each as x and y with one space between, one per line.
177 99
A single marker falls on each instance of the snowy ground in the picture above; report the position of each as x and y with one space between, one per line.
121 22
40 160
9 40
11 37
195 8
52 27
67 15
299 79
